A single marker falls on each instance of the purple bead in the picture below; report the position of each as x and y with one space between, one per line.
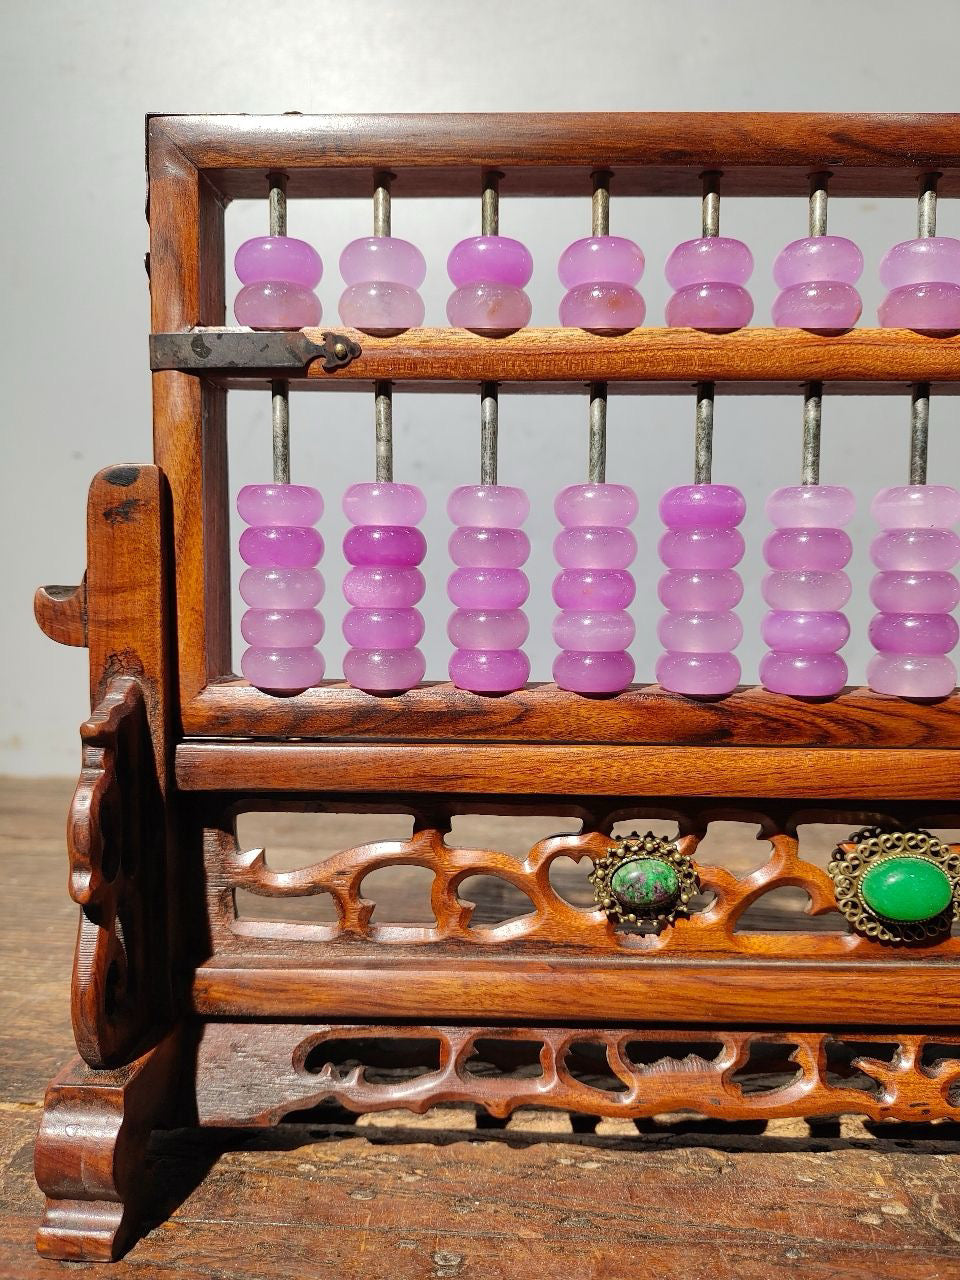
593 505
384 502
285 545
274 304
489 506
803 675
702 506
918 592
594 548
282 670
709 260
700 590
379 586
609 258
811 506
917 506
489 548
397 546
701 548
488 628
383 670
698 674
593 672
279 504
489 305
915 549
381 304
488 588
713 305
913 632
278 258
489 670
803 590
700 632
912 675
593 632
802 632
602 305
593 589
817 258
807 549
274 587
386 258
928 260
821 304
921 306
496 259
383 628
282 628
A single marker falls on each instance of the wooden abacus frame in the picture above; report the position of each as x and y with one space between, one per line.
169 983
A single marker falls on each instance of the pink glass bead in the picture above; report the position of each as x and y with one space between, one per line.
283 545
275 304
389 545
496 259
282 628
912 675
595 504
708 260
917 506
701 548
593 589
380 628
818 258
593 672
488 588
488 305
488 629
381 586
820 304
905 592
811 506
383 670
593 632
275 587
266 258
489 670
914 632
700 590
384 502
698 674
921 306
386 258
594 548
381 304
702 506
711 305
282 670
489 548
803 675
491 506
610 258
700 632
794 631
279 504
807 549
927 260
915 549
802 590
602 305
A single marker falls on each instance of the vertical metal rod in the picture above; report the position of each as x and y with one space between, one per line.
919 432
381 203
710 204
490 204
279 388
927 206
812 407
817 219
597 447
489 392
383 391
600 220
703 440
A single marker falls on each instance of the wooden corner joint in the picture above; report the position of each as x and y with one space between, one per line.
61 613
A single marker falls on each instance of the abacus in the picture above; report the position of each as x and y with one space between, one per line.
639 993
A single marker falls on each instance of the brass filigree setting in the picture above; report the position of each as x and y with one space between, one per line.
644 879
868 852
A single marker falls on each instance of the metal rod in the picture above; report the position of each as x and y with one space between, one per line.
278 203
279 388
817 218
600 220
812 407
597 458
710 204
383 413
927 206
381 204
703 440
489 426
490 204
919 432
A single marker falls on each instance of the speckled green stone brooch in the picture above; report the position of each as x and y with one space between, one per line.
644 878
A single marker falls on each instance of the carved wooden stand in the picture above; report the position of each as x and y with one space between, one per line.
186 1013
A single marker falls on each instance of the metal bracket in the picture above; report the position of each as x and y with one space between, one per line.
257 351
338 350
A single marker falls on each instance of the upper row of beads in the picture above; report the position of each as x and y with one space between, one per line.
817 278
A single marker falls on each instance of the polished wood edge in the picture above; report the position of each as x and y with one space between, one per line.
61 613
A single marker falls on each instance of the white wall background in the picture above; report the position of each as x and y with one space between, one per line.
76 79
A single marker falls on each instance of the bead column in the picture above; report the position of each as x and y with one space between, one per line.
600 274
278 273
923 275
817 275
382 274
489 272
709 274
